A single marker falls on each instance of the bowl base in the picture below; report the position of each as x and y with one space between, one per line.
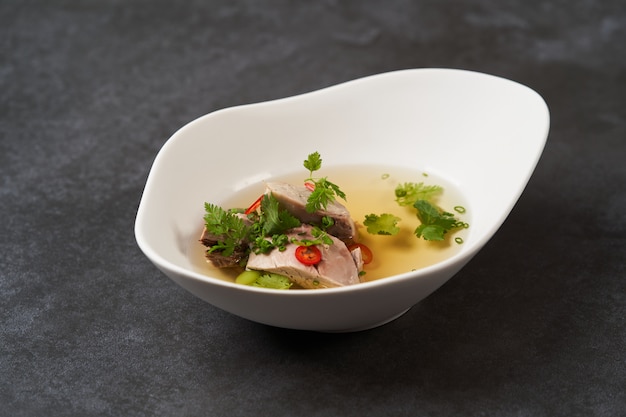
368 327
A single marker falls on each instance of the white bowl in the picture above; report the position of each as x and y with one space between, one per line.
482 133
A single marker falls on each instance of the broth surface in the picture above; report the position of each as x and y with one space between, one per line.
368 189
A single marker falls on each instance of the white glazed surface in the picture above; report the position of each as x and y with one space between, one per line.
482 133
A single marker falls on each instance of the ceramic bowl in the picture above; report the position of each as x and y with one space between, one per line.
481 133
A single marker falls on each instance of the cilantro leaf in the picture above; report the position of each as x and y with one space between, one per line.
267 232
313 162
320 197
430 232
409 192
384 224
323 194
334 187
435 222
274 219
323 191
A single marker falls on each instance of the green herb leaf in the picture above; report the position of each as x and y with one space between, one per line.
264 280
323 194
274 219
384 224
226 226
327 222
409 192
435 222
313 162
324 191
267 232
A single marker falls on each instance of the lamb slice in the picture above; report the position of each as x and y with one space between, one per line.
336 269
294 198
357 255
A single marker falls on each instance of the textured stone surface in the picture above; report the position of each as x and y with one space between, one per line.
89 91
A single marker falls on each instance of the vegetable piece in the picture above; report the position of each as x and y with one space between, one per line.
308 255
324 191
254 206
366 253
384 224
271 280
247 277
435 222
409 192
264 280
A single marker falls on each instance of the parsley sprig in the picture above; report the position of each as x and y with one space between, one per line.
227 225
324 191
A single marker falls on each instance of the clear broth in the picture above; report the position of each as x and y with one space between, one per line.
369 189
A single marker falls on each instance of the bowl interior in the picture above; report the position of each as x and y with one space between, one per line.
481 133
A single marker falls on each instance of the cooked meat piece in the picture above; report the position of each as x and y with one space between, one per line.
294 198
357 255
337 267
220 261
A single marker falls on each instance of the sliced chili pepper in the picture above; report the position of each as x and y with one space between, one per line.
366 253
310 186
254 205
308 255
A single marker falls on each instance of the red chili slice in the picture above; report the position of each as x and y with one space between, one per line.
308 255
310 186
366 253
254 205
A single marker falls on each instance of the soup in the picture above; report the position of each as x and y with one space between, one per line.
369 189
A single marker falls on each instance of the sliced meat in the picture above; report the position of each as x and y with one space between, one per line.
357 255
337 267
294 198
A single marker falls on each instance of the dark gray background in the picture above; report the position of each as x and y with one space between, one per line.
89 92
